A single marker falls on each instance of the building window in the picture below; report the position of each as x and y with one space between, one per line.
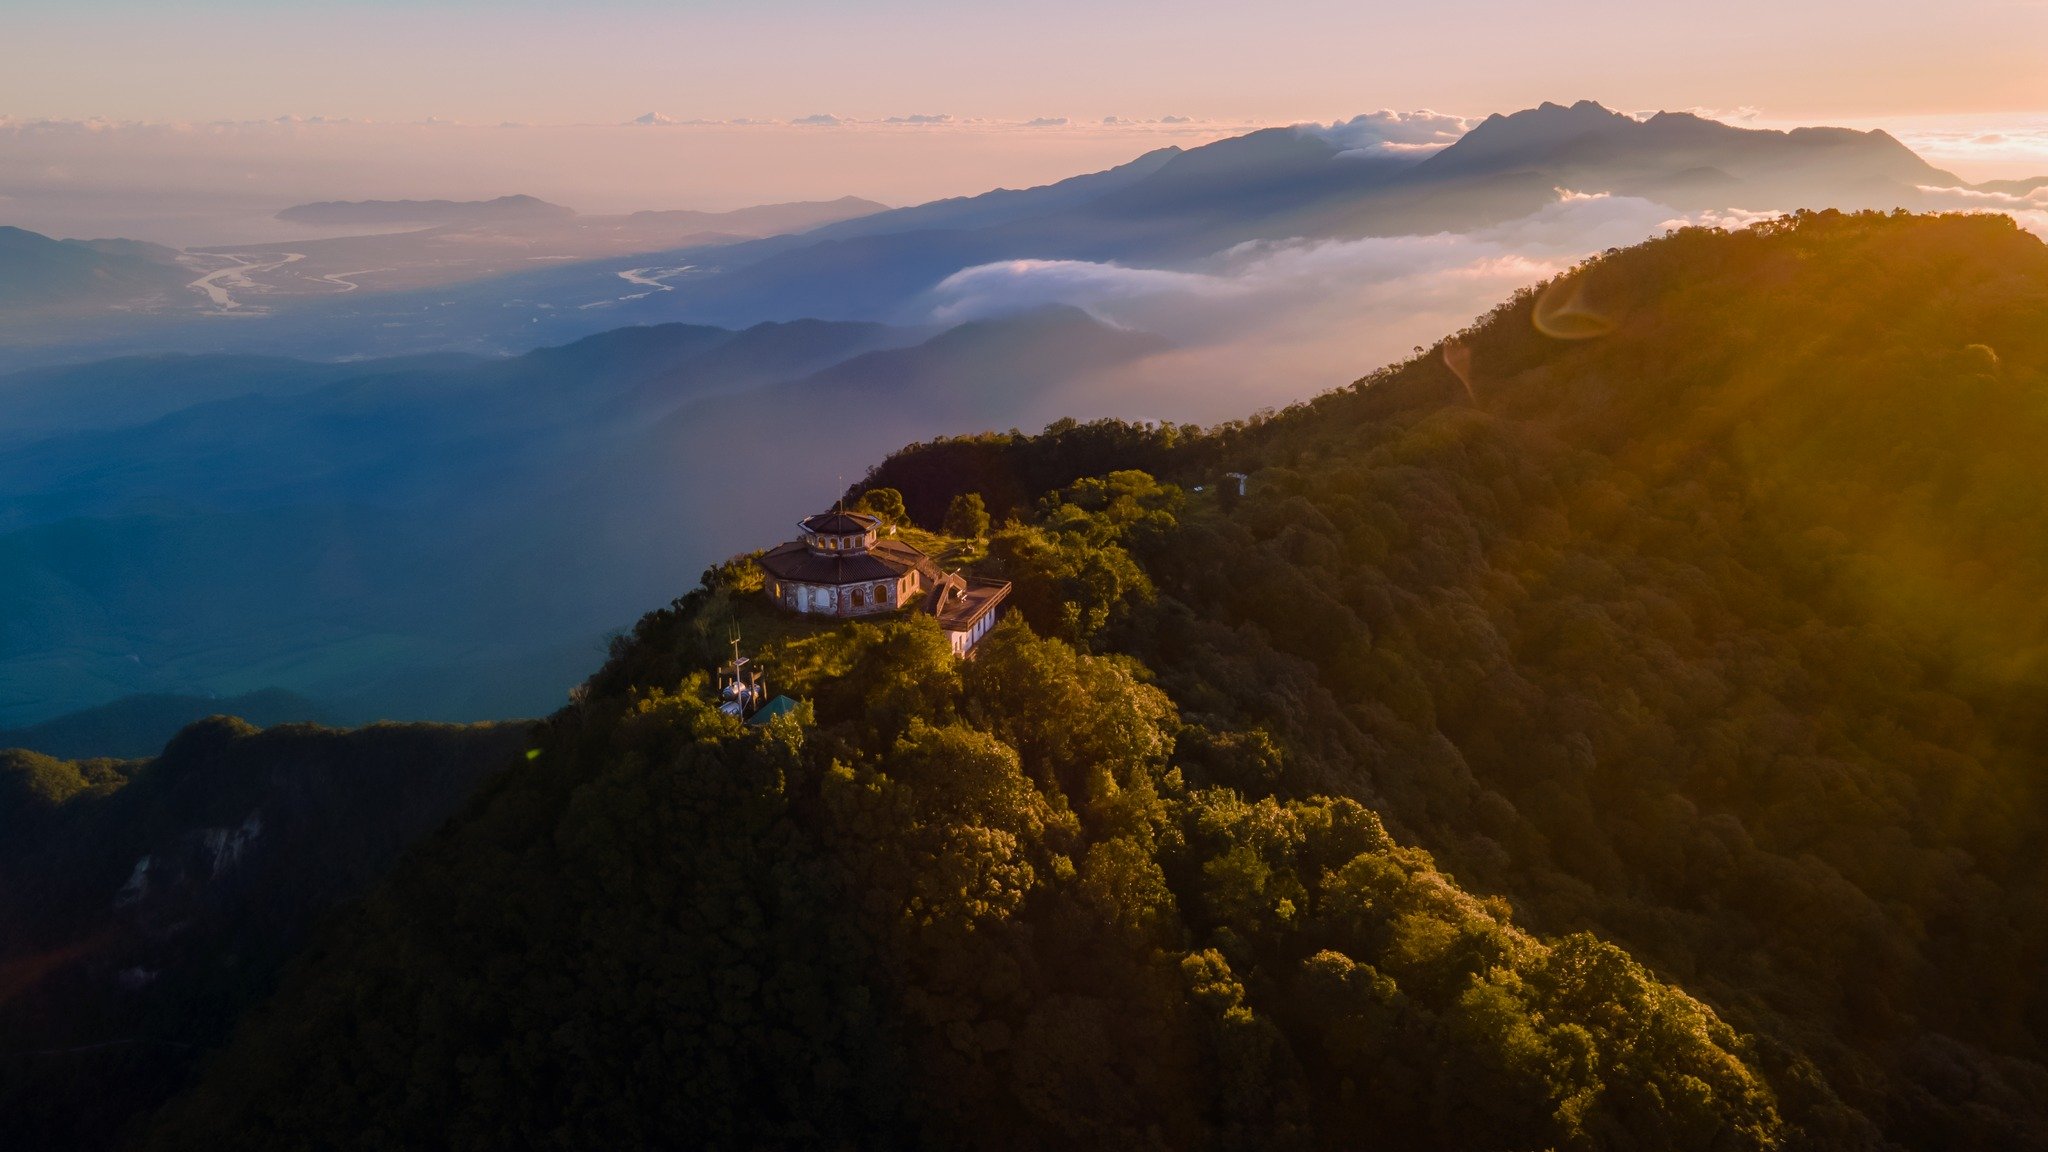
860 597
881 593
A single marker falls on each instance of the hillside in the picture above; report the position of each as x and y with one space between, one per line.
946 905
145 904
40 275
136 727
1716 630
1617 727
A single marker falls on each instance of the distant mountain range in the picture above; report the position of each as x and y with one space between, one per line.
136 727
1289 183
451 538
423 211
38 274
517 272
61 298
383 513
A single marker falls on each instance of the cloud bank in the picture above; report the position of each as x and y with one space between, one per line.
1241 286
1268 322
2030 207
1376 133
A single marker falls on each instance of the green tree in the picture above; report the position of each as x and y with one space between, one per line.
967 516
884 502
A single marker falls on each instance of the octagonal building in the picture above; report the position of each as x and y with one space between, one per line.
841 566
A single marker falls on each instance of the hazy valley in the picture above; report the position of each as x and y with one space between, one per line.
388 536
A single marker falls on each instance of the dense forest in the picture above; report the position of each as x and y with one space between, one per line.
145 904
1698 599
1618 726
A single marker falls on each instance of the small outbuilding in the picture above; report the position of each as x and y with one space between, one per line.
967 607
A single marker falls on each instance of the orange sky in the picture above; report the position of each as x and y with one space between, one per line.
539 94
603 61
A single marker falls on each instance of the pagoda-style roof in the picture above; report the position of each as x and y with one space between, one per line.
801 564
841 523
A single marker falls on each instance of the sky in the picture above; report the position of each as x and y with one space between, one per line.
191 121
602 61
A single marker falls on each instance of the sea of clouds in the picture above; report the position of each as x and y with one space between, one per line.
1268 322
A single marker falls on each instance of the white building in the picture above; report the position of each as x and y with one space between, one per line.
842 566
967 607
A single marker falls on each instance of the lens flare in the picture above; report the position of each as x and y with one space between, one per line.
1563 312
1458 358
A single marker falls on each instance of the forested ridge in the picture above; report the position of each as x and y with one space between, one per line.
1618 726
146 904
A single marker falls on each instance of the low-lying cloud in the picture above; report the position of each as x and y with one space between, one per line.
1376 133
1267 322
1209 300
2029 208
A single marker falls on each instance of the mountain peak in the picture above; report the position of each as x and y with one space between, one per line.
1590 138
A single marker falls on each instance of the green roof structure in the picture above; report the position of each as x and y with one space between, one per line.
780 706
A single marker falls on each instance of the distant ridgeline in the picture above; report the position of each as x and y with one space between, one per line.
1619 726
136 727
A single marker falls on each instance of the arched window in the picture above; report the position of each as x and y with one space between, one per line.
881 593
860 597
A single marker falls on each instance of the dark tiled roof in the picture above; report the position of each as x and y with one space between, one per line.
887 560
841 523
959 601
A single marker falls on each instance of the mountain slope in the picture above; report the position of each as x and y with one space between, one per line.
948 905
1609 602
136 727
1694 599
38 274
145 904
